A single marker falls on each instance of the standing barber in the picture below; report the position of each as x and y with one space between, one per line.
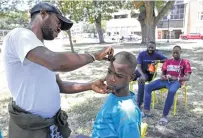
30 70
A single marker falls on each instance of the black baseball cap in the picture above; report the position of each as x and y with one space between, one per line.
66 24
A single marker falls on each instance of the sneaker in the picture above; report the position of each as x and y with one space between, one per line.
163 121
144 115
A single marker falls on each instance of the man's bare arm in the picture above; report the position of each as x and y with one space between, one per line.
160 61
62 61
186 77
163 75
73 87
58 61
140 69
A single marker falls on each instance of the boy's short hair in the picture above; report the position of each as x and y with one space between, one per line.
126 58
152 42
177 46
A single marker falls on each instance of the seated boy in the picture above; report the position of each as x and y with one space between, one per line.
119 116
174 72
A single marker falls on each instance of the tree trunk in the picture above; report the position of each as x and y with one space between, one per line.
99 29
141 19
150 20
98 21
70 40
150 30
144 33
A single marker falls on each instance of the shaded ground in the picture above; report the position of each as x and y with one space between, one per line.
82 107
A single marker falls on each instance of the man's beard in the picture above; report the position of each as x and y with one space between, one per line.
47 32
152 52
177 58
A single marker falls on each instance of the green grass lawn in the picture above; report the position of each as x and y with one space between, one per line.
83 107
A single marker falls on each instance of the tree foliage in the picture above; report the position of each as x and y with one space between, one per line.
89 28
91 11
12 14
14 19
149 19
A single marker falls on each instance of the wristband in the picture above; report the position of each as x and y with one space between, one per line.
93 57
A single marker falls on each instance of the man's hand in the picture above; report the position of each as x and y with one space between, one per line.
170 78
142 79
101 55
173 78
99 86
163 77
156 62
73 87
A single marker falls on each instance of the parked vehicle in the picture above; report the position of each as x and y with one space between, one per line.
131 37
191 36
115 37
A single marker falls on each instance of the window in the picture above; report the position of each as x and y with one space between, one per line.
177 12
182 11
179 2
176 16
200 10
109 33
181 16
120 16
200 4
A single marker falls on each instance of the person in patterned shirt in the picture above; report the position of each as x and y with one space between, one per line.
174 72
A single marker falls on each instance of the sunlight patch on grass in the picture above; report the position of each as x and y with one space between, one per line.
68 101
82 114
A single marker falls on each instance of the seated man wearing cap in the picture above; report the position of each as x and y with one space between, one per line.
30 70
119 117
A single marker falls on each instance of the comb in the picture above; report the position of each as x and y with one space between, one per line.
111 58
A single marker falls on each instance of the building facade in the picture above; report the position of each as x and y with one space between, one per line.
171 26
194 17
185 17
123 24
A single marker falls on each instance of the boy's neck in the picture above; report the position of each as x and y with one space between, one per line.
177 58
122 92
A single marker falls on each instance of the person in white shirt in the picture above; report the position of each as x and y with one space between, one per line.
30 70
